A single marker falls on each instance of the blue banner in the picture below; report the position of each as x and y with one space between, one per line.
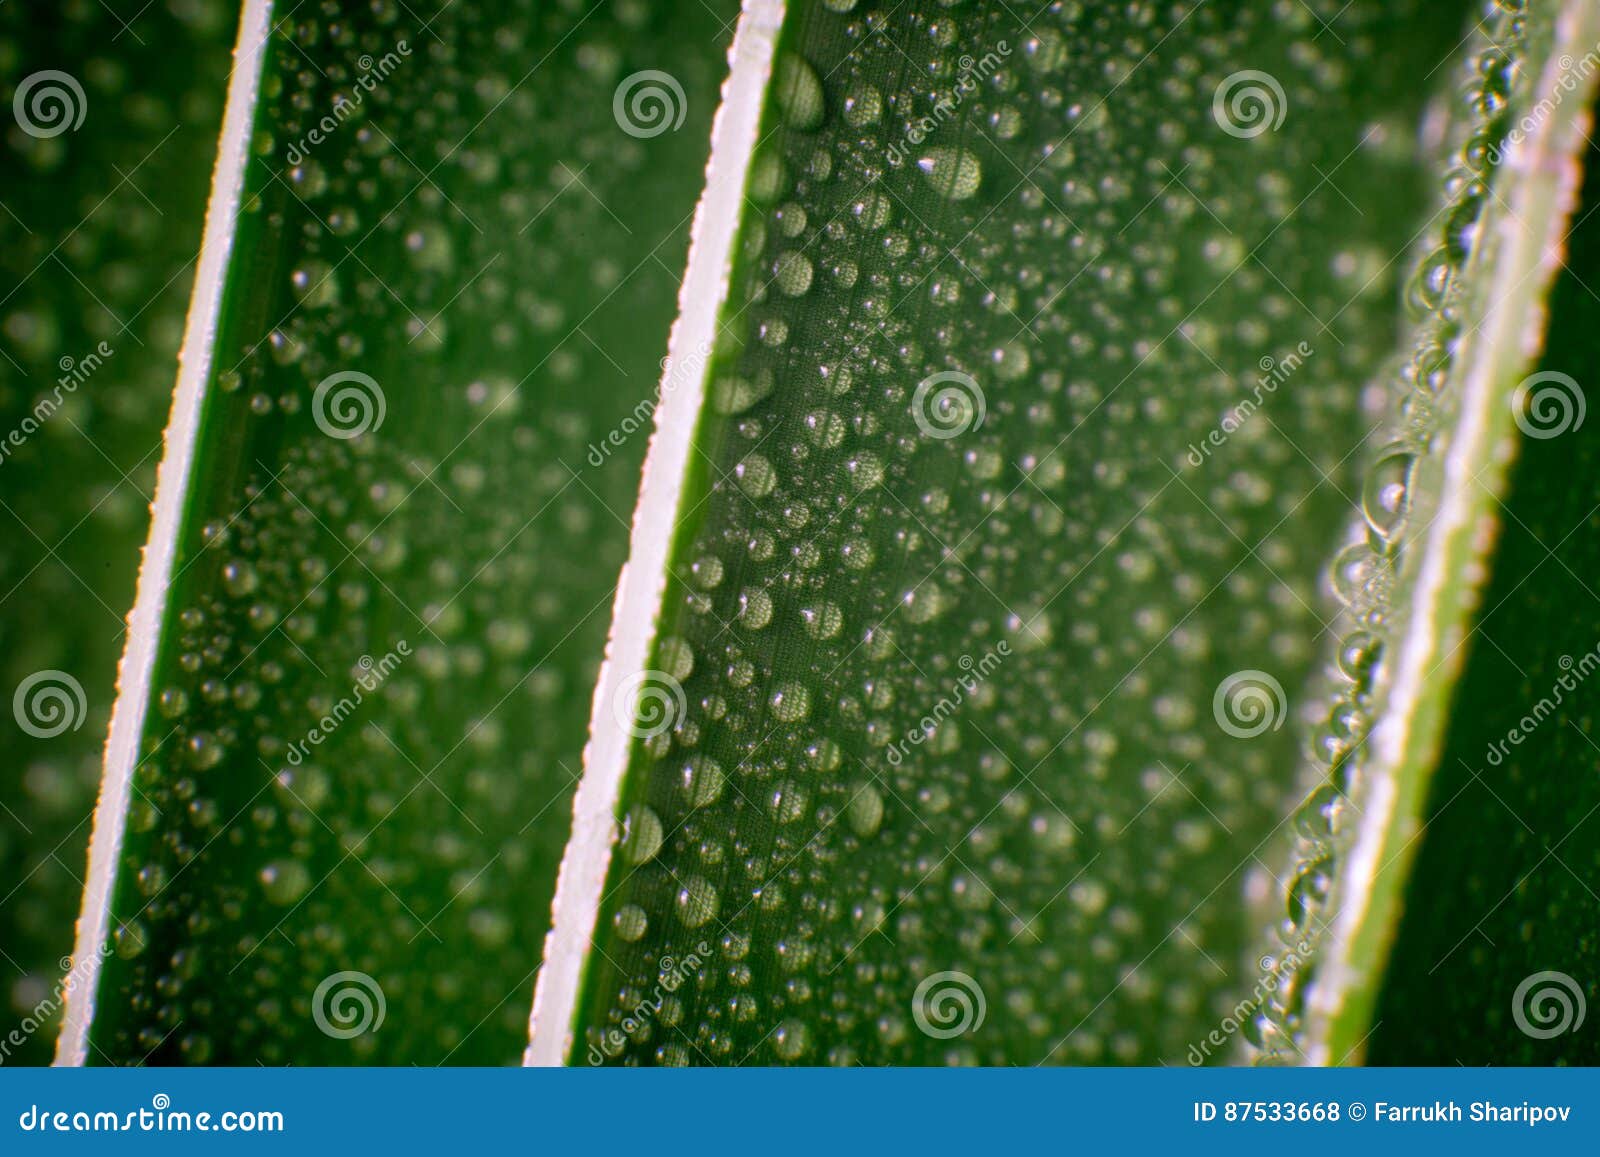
773 1112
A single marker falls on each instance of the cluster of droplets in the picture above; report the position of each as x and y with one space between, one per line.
949 699
1364 572
284 633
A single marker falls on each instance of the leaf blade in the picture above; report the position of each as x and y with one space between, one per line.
1519 257
98 259
374 666
639 593
156 570
828 933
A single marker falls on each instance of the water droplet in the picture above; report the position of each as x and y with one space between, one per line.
954 173
702 780
631 922
697 902
285 881
1384 494
755 476
641 835
791 702
865 811
793 273
799 93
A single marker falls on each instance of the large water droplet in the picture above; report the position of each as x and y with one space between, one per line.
954 173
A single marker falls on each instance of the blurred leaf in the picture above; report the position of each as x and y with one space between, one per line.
111 127
1470 399
1496 960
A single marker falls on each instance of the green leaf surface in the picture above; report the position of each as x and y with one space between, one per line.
111 127
996 604
1469 399
452 272
1082 604
1496 957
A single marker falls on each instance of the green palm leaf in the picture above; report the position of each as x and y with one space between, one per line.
1067 518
